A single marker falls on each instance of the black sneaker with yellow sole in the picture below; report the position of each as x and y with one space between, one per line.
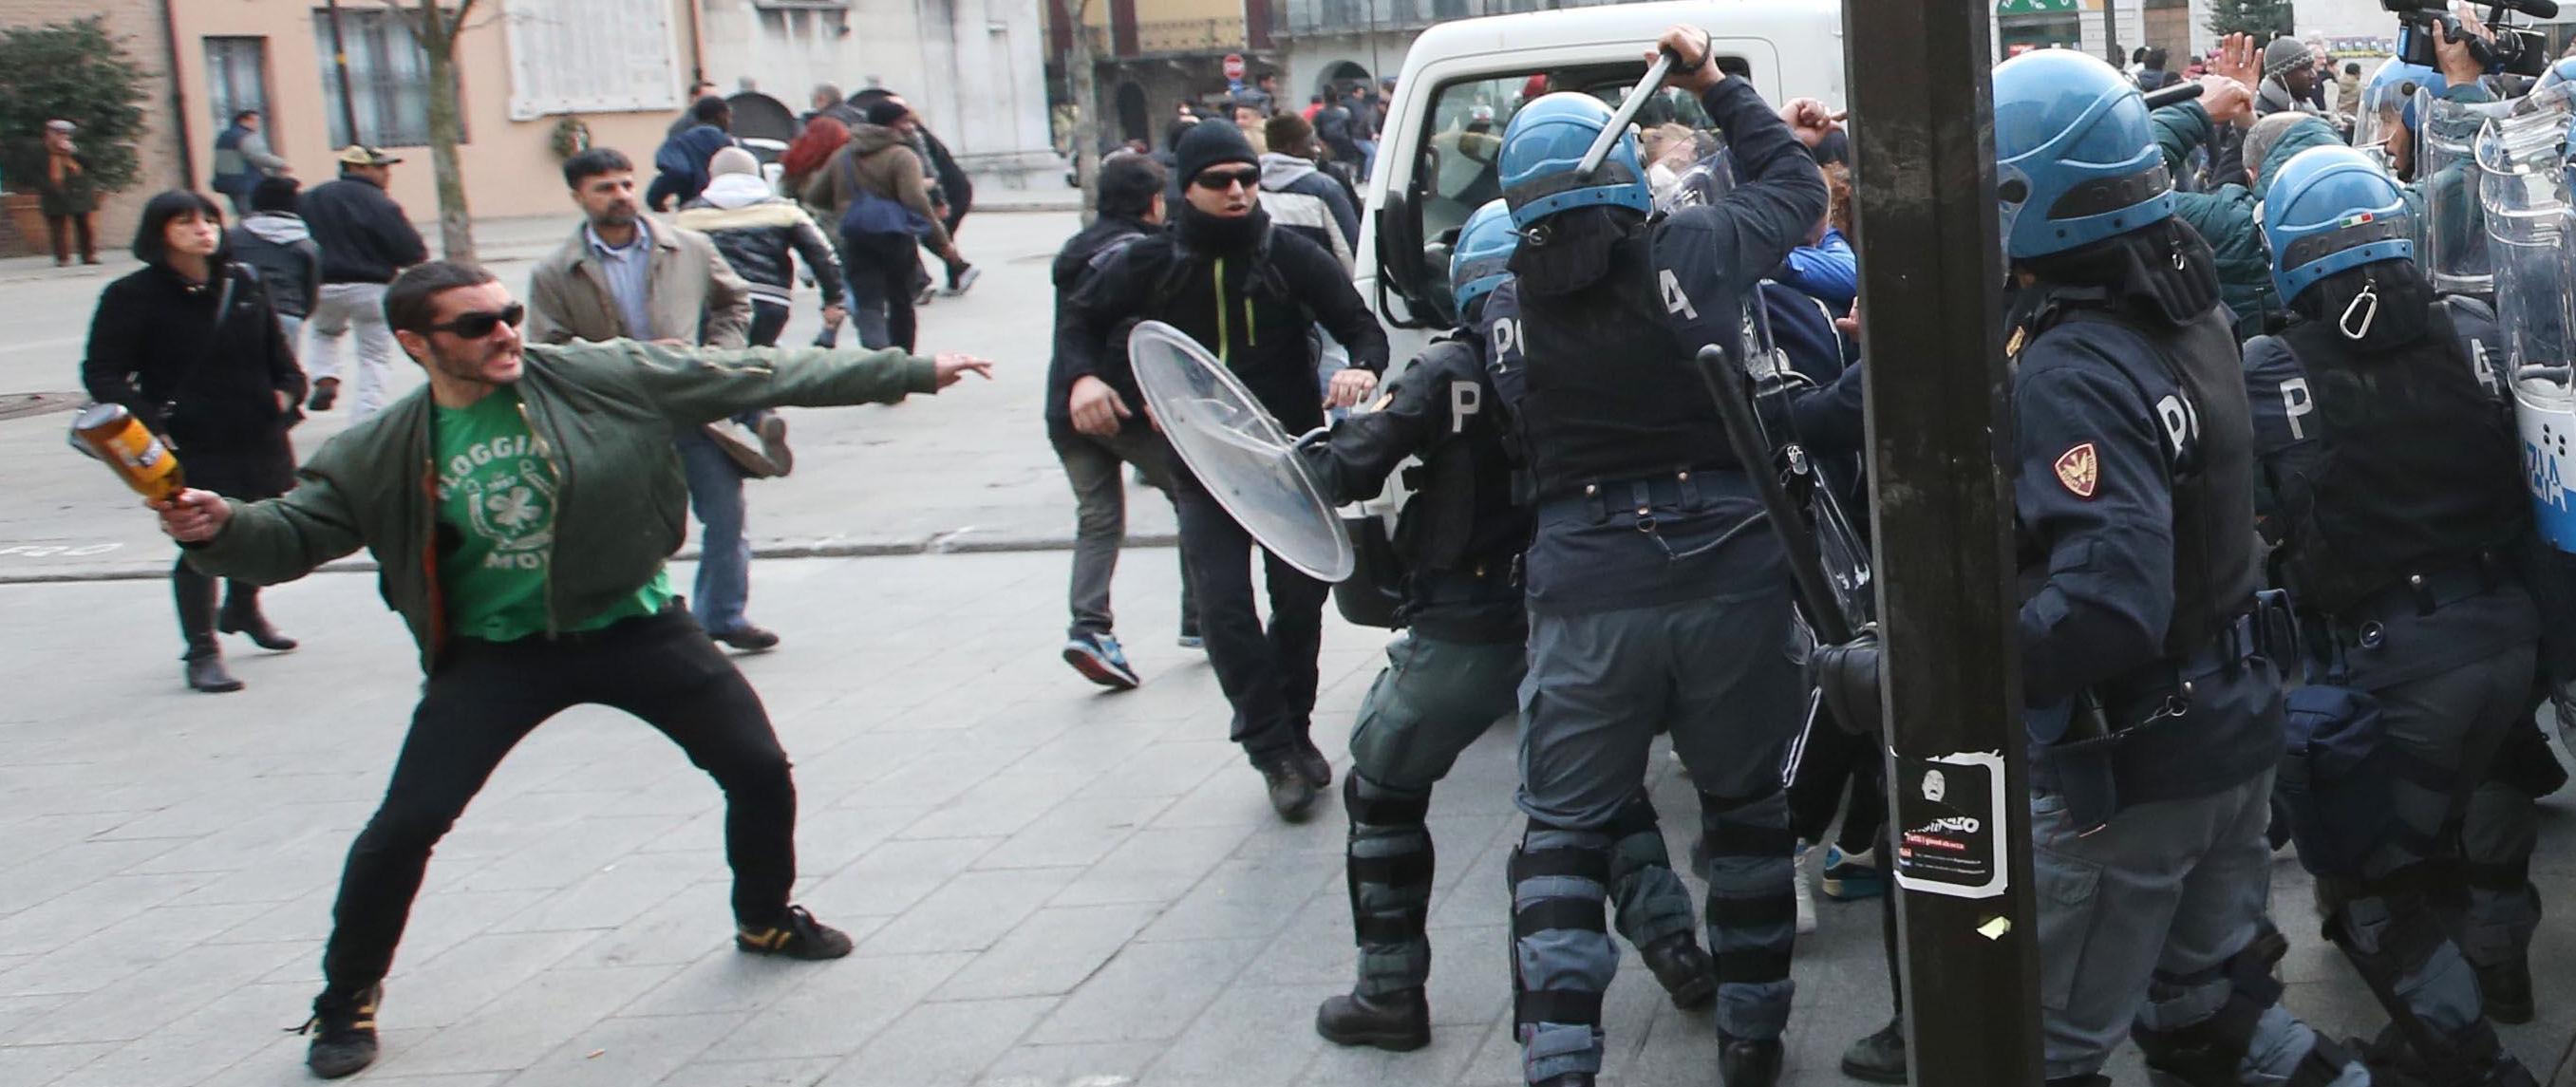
798 936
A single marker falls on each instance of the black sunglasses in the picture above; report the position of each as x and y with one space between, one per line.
1220 181
478 324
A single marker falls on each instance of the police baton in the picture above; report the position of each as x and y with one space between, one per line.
1797 536
1627 113
2174 95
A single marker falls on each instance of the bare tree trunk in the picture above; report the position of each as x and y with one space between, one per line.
438 32
1086 113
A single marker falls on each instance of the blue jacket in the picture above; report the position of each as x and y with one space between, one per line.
682 161
1826 271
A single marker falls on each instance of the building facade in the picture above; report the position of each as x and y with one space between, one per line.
160 153
971 68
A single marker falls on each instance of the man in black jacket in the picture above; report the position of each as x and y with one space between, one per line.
1095 427
366 240
1249 293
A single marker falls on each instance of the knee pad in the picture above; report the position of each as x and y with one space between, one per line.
1637 837
1560 881
1752 908
2207 1053
1390 862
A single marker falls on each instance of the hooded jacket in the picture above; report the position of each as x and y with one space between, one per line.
761 234
1248 300
878 161
682 161
279 247
1083 254
1300 198
2224 216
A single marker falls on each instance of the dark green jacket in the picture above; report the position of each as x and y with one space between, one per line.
2225 217
603 413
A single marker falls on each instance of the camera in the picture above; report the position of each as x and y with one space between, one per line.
2514 51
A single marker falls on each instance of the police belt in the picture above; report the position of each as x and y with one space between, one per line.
2365 626
2084 764
1598 499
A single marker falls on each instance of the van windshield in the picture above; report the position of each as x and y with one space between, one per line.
1456 172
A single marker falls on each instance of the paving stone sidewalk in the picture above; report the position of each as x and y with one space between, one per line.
1050 887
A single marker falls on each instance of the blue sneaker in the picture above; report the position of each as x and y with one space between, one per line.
1099 659
1850 877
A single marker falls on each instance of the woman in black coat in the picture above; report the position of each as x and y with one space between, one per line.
191 346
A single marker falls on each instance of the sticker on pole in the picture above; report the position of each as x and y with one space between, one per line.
1950 823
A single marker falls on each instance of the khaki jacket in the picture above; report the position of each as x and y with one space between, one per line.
878 160
695 297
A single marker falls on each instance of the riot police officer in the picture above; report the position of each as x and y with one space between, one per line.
2154 709
1658 599
2421 639
1454 671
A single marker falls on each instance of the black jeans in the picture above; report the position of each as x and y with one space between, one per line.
1269 675
486 696
881 269
768 319
1833 760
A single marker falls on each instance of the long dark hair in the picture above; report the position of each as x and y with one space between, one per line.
151 236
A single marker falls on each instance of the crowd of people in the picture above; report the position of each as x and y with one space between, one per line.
2261 610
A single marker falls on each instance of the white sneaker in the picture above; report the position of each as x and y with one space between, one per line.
1803 882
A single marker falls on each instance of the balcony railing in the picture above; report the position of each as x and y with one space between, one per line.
1172 38
1290 18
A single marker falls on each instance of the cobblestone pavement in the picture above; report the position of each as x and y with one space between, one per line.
1049 886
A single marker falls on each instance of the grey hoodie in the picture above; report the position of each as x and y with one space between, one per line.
1281 173
279 247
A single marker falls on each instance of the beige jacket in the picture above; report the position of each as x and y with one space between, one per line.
880 162
695 297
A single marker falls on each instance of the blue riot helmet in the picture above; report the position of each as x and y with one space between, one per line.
1479 262
1543 148
2331 209
2076 158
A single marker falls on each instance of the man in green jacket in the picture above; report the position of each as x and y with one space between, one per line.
466 491
2224 215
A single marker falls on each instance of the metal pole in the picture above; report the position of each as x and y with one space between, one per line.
2111 34
1939 417
340 62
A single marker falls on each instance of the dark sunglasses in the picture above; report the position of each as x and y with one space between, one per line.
1220 181
476 325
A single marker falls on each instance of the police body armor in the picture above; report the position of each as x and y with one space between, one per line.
1461 534
2112 755
1610 390
2384 503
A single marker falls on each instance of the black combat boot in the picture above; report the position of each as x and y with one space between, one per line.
1744 1063
1398 1022
2507 989
1685 971
1879 1058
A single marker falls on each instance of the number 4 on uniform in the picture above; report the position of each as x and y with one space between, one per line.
1674 300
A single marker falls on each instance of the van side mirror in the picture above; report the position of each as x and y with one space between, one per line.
1404 266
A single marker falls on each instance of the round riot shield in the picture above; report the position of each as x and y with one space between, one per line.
1237 451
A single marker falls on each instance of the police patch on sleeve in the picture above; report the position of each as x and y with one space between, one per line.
2080 470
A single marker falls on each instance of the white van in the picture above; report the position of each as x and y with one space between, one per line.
1435 160
1463 79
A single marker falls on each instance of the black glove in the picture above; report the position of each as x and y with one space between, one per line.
1847 675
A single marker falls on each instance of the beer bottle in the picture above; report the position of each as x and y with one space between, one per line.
117 439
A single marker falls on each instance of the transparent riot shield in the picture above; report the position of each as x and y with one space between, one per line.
1237 451
2451 244
2530 222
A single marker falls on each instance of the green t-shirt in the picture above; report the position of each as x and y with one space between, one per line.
496 491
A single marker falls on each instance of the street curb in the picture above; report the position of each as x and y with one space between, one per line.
960 542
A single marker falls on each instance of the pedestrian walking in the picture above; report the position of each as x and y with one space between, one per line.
688 117
623 275
479 458
366 240
681 162
274 242
66 195
1226 278
242 159
1094 425
952 195
872 189
762 234
190 345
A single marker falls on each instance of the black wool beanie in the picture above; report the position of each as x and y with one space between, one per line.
1210 143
